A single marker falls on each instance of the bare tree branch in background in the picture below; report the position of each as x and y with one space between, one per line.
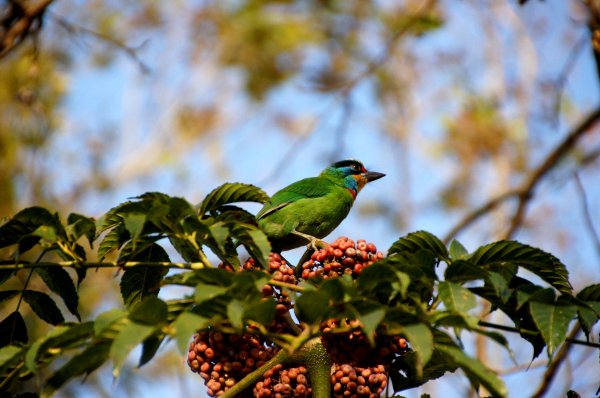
377 63
557 360
524 193
563 76
594 27
20 19
129 50
586 214
345 88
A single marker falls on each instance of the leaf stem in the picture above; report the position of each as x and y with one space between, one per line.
289 286
11 265
533 332
252 378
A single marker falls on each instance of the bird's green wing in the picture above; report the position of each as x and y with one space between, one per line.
312 187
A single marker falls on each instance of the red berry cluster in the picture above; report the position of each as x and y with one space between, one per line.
352 346
354 382
280 382
223 359
282 272
359 370
343 256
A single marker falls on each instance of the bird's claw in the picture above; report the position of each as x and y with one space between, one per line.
317 244
314 243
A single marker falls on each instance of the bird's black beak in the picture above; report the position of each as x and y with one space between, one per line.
373 175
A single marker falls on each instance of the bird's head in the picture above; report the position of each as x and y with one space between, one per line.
352 174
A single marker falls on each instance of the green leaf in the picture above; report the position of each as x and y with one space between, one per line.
500 286
151 311
24 223
590 293
312 306
588 314
543 264
58 280
112 241
206 292
106 319
46 232
56 341
458 320
370 319
533 292
382 281
457 251
10 358
6 274
78 226
404 371
421 268
475 370
552 321
134 224
215 276
8 354
421 340
416 241
26 243
150 347
496 336
13 330
220 234
129 337
8 294
461 271
522 291
185 249
232 193
185 326
139 282
43 306
254 240
235 313
262 312
456 298
115 217
84 362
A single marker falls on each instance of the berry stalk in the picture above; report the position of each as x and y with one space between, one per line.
282 357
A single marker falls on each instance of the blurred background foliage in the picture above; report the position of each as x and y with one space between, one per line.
457 102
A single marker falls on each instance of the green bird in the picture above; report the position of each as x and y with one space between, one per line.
308 210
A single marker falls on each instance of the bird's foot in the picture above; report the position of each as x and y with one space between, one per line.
314 243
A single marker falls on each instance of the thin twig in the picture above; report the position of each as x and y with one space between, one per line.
525 192
295 146
569 339
525 366
551 160
594 29
377 63
586 213
344 89
132 52
479 212
285 285
555 364
8 265
561 80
